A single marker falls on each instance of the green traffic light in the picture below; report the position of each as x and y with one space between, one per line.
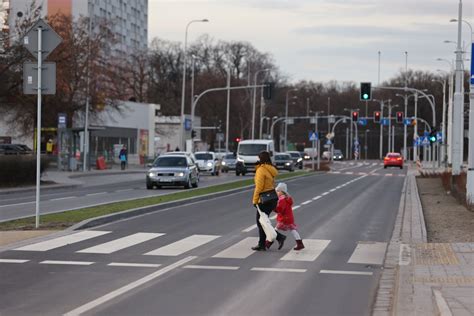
365 96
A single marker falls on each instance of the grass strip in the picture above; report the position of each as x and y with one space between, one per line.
68 218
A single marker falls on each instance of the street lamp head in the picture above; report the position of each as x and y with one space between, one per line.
453 20
449 42
204 20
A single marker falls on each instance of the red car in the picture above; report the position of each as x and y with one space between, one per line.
393 160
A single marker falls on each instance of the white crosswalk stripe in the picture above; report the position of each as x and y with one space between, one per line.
181 246
313 248
63 241
369 253
121 243
240 250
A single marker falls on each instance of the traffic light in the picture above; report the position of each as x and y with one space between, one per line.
365 91
399 117
237 139
432 137
193 133
377 116
268 90
355 116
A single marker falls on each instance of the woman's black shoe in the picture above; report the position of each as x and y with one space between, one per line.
281 241
259 248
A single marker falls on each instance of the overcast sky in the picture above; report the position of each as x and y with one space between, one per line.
323 40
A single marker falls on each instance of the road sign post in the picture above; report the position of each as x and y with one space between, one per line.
40 41
314 137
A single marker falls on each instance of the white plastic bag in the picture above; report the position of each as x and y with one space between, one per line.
267 226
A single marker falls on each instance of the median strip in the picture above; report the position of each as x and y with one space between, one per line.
66 219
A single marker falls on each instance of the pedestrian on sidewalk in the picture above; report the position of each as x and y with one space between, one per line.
285 217
123 156
265 174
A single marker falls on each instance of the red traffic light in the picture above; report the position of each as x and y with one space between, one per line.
355 116
377 116
237 139
399 117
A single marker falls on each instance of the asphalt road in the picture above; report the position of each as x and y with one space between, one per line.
195 259
96 190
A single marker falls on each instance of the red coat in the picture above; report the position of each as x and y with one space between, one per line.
284 210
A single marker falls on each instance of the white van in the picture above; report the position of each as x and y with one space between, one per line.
247 154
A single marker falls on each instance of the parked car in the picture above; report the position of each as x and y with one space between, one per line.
305 155
393 160
228 162
297 159
284 161
337 154
207 161
172 170
15 149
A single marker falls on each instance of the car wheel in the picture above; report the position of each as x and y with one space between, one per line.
237 173
149 186
243 174
188 184
158 186
217 173
401 167
385 167
195 184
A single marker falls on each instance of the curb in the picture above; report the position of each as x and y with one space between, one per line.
44 187
101 220
112 173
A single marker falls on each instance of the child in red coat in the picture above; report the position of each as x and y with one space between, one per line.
285 218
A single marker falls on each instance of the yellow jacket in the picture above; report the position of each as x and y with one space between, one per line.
264 180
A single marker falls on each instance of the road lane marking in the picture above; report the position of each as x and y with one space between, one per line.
349 172
306 202
124 190
369 253
211 267
313 248
99 193
332 190
24 203
389 175
75 263
62 241
63 198
296 207
121 243
317 197
325 193
250 228
124 289
13 261
137 265
240 250
278 270
345 272
181 246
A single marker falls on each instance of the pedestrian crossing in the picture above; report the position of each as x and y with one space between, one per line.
365 252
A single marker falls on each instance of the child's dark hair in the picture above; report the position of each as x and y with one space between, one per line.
264 157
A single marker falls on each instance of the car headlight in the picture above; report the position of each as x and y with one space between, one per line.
150 174
240 160
181 174
223 163
209 164
299 159
287 163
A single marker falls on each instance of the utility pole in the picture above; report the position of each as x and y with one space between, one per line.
470 170
458 123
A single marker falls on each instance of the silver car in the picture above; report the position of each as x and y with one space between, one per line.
172 170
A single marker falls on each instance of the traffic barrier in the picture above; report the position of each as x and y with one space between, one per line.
100 163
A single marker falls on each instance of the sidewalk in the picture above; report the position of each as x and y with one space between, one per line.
65 179
421 278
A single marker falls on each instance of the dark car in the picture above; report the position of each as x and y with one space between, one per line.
284 161
337 155
228 162
172 170
15 149
297 159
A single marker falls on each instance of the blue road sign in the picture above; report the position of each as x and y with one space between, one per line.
425 141
385 122
187 124
328 142
362 121
439 137
472 64
407 121
426 134
313 136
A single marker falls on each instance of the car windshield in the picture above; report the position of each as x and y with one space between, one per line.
251 149
295 155
170 162
393 155
229 156
337 152
203 156
282 157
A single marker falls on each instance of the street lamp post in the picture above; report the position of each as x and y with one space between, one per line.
255 99
286 117
449 125
183 91
365 146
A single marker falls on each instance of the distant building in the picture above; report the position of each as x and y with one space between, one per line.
129 17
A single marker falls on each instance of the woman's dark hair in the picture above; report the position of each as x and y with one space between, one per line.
264 157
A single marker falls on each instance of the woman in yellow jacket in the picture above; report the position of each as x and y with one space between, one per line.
265 174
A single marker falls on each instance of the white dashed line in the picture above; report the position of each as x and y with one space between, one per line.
99 193
278 270
124 190
77 263
211 267
64 198
13 261
345 272
317 197
134 265
306 202
296 207
325 193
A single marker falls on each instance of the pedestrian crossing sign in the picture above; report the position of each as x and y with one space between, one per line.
313 136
